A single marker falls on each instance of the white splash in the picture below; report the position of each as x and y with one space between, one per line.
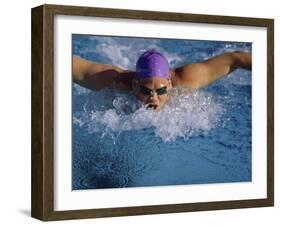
186 114
124 52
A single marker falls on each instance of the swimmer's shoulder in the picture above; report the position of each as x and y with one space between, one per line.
179 78
186 76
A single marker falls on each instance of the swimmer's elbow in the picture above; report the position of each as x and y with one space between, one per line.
77 69
77 77
242 60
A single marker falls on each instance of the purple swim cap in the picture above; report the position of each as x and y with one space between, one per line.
152 64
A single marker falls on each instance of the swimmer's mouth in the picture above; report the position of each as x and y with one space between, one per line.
153 106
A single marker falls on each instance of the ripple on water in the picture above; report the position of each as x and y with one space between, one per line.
120 140
104 181
121 163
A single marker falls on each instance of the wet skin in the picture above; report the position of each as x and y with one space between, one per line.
97 76
154 98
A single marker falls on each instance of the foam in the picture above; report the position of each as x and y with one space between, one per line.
187 113
115 50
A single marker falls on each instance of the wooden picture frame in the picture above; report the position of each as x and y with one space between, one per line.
42 205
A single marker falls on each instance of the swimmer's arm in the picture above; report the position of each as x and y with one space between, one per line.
202 74
92 75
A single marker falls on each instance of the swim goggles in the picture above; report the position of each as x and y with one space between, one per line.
146 91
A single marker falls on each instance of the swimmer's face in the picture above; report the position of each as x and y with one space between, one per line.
152 91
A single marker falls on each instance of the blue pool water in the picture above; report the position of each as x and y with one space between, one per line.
199 137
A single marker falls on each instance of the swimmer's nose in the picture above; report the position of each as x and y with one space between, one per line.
153 96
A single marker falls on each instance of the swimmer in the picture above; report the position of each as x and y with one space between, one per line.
153 79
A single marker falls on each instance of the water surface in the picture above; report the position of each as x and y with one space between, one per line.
199 137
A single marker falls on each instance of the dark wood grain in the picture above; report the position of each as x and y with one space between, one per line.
42 203
37 158
270 111
157 209
42 113
152 15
